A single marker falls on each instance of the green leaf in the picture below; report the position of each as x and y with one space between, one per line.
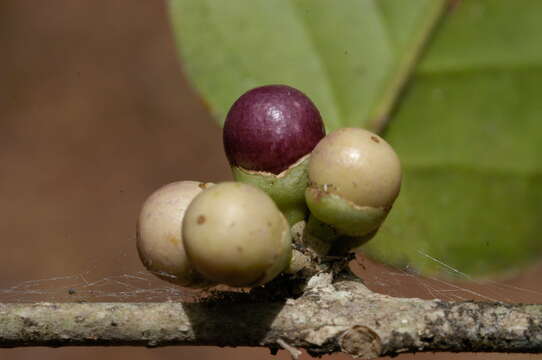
468 130
469 133
350 58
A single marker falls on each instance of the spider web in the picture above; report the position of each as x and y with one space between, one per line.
86 287
138 285
458 286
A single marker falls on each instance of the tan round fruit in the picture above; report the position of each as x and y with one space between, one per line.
357 165
159 241
234 234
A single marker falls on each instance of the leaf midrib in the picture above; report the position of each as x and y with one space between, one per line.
406 66
309 35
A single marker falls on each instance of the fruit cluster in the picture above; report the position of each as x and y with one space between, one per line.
287 170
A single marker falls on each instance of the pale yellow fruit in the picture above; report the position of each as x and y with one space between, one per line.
357 165
234 234
159 241
354 178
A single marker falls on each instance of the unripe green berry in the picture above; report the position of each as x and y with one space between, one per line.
355 177
234 234
159 241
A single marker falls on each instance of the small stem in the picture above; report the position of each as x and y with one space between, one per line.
379 117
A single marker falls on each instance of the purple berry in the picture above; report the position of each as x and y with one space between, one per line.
269 128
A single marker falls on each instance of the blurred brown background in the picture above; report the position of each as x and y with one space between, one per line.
94 115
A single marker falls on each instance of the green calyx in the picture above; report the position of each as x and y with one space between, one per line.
287 189
346 217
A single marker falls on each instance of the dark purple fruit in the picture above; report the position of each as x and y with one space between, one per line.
269 128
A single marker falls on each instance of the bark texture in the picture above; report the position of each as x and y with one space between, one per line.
341 316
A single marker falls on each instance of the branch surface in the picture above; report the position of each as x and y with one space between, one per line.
342 316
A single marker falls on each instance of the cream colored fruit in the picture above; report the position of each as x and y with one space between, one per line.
234 234
159 241
357 165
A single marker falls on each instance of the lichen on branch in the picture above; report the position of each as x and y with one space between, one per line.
331 315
